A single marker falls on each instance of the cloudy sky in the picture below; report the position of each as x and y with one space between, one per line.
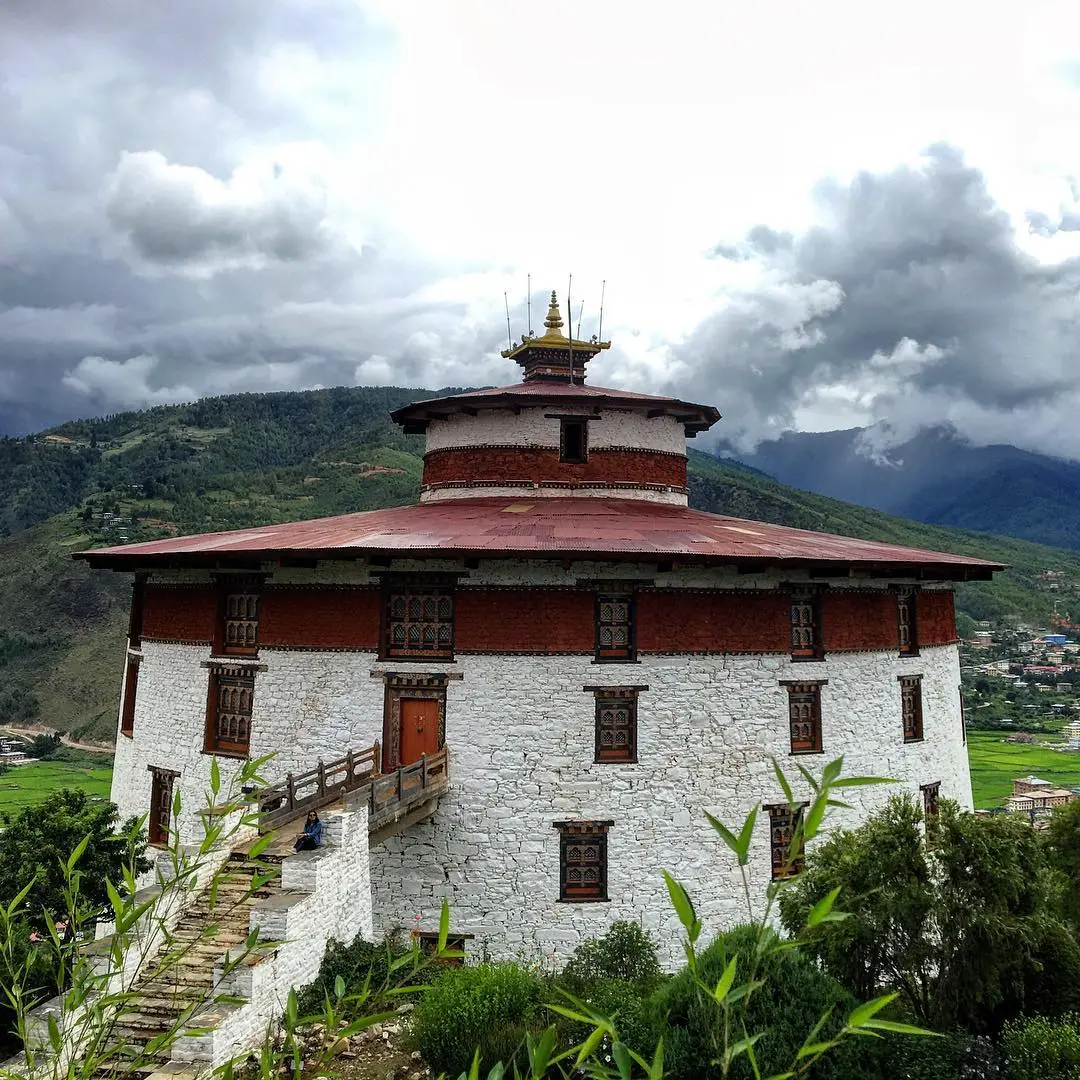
814 215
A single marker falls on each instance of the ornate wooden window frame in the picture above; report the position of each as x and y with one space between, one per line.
931 793
157 833
907 623
807 640
131 690
615 596
416 585
240 677
239 600
606 699
593 834
430 687
783 821
911 707
804 714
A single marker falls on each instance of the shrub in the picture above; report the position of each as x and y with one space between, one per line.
1038 1048
356 963
489 1006
625 952
794 996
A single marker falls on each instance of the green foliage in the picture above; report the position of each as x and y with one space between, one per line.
966 930
43 746
1038 1048
359 964
1062 840
32 841
489 1007
793 997
625 953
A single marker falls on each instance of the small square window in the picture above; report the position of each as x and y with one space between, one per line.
905 621
616 724
583 864
615 627
573 441
804 717
785 840
911 707
806 642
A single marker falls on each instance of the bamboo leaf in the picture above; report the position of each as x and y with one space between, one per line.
785 785
680 901
820 911
78 853
720 993
339 987
807 777
747 835
869 1009
900 1029
623 1061
444 924
215 776
741 1046
729 838
831 773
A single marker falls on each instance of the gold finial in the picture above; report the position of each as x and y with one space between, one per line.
553 322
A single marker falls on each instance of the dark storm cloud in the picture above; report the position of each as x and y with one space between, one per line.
911 297
150 250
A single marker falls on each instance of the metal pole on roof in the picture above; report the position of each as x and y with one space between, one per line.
570 327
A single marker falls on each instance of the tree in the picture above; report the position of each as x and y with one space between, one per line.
43 746
34 843
1062 840
966 928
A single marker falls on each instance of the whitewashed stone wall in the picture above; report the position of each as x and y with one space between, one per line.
613 428
325 894
521 734
530 491
521 737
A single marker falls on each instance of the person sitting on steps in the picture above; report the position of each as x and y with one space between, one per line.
311 837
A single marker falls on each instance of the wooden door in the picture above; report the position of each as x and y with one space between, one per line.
419 728
161 800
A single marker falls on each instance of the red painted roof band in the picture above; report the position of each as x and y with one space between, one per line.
545 527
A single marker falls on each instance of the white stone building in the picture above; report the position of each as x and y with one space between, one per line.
603 664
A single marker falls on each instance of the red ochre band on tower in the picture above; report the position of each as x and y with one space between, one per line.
530 464
552 621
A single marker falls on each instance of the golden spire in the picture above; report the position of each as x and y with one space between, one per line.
554 322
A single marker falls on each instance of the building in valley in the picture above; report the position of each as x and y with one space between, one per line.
602 663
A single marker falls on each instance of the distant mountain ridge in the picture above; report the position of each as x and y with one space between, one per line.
255 459
936 477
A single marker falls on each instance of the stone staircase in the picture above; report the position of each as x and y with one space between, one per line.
202 936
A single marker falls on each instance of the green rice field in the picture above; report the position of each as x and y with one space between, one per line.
994 765
25 785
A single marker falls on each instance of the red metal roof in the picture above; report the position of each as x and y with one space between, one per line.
541 527
536 391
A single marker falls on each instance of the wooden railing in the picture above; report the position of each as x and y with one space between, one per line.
388 796
405 786
300 792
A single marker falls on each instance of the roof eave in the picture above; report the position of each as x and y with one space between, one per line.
817 567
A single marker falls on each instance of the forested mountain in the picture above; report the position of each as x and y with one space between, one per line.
936 477
261 458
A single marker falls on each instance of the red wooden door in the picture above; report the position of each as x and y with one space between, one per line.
419 728
161 800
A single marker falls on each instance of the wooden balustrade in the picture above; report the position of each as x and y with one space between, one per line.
387 796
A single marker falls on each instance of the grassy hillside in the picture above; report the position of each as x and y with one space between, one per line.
262 458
